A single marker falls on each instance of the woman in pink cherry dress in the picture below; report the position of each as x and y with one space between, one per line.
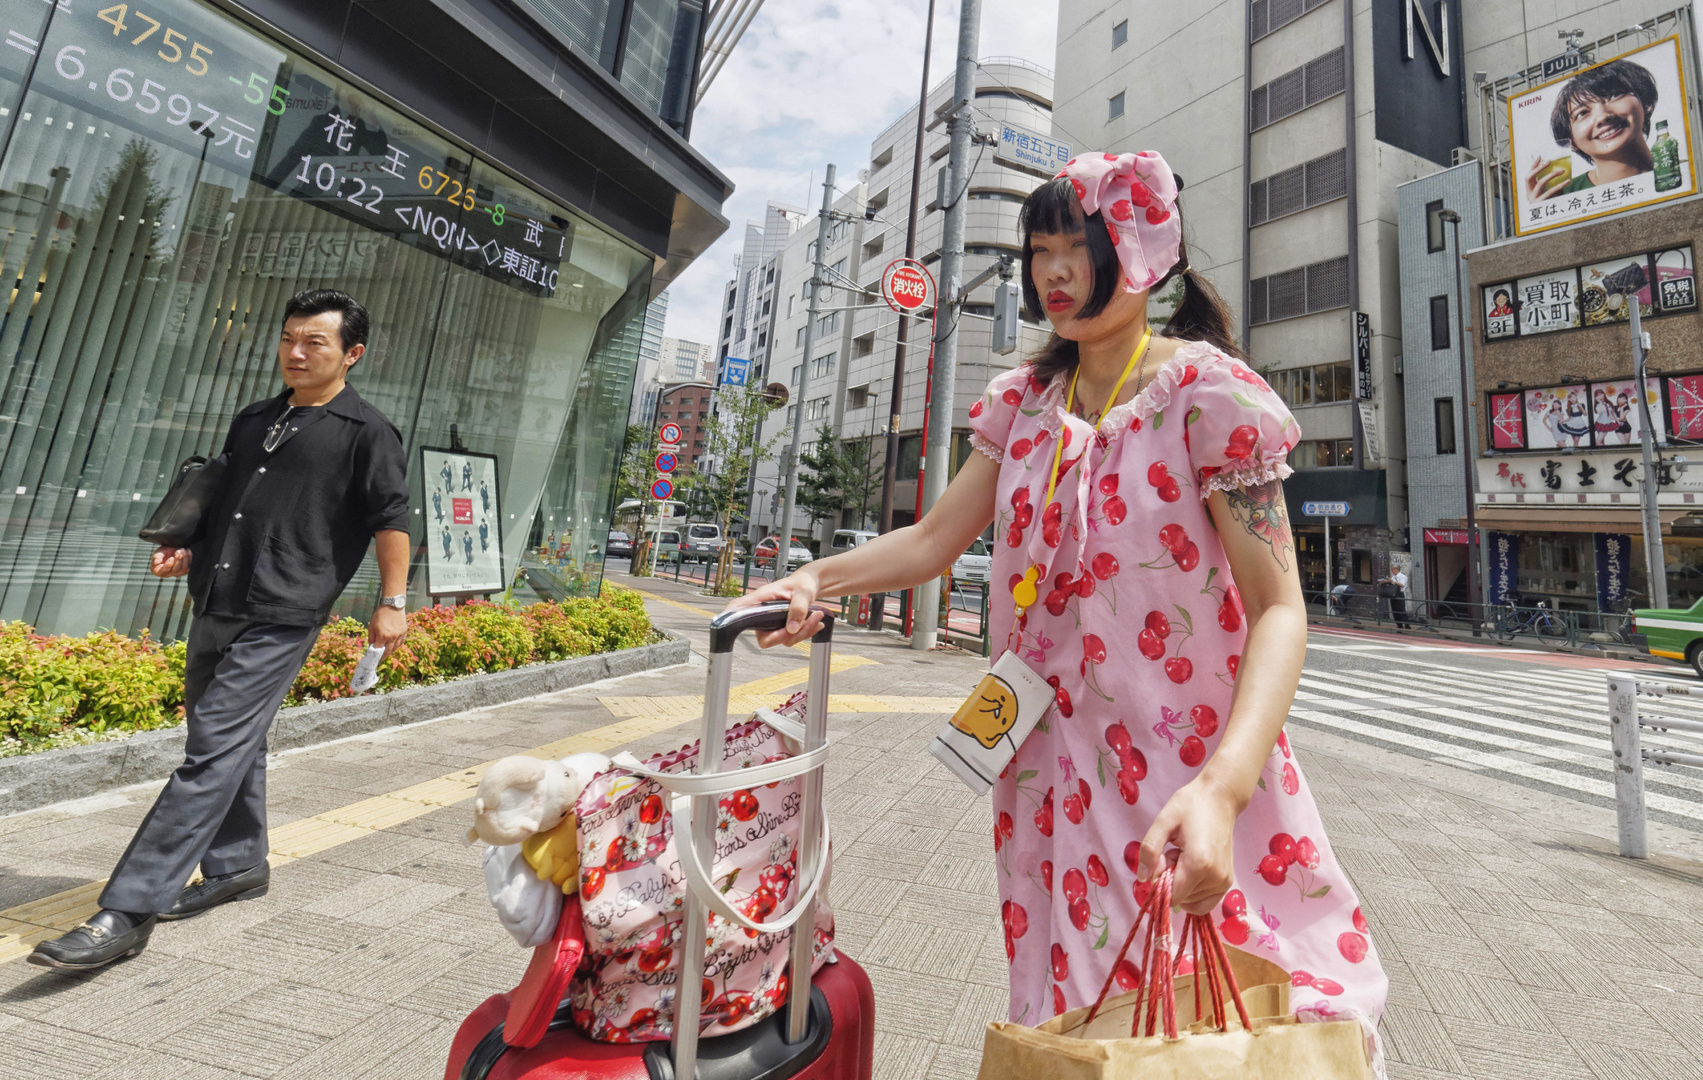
1168 513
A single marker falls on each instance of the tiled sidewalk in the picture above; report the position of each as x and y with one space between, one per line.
1518 946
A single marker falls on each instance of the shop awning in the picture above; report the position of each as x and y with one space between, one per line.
1546 519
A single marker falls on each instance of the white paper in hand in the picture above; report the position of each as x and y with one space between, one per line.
366 671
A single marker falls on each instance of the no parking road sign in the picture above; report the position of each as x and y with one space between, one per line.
666 462
670 433
662 489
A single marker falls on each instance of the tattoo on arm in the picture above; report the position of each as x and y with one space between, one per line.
1261 511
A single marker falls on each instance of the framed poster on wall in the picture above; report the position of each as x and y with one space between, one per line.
1548 302
1685 406
1499 318
1610 288
1676 281
464 552
1508 421
1616 419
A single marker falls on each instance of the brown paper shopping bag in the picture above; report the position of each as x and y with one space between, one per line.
1227 1020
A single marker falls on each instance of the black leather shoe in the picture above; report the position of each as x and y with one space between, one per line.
107 936
213 891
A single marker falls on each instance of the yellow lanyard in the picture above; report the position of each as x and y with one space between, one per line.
1025 591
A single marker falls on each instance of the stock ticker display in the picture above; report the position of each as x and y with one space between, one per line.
187 77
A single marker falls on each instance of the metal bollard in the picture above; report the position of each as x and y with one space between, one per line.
1628 764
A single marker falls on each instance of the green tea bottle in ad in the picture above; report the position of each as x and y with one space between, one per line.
1666 155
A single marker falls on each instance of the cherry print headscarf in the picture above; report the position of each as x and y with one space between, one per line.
1137 195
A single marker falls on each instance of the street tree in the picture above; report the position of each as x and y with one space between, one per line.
822 477
861 474
733 448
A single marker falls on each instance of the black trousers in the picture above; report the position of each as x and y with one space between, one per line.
213 809
1398 608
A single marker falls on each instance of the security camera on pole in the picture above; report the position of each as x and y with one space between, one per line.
944 383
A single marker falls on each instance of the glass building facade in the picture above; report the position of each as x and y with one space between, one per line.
169 177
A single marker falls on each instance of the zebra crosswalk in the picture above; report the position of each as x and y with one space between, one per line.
1540 726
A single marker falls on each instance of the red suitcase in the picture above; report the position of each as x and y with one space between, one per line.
826 1032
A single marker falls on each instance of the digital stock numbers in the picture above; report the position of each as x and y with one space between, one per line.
200 82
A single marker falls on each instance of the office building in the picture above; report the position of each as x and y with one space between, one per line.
1292 123
851 362
1605 224
505 193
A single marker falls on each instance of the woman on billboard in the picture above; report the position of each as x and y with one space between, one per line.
1603 115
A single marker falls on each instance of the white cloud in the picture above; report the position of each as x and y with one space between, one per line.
813 83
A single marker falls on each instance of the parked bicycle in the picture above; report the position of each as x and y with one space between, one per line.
1539 620
1617 621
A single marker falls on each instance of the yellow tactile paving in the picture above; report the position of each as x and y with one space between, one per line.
312 835
444 791
23 926
680 707
380 812
62 910
14 946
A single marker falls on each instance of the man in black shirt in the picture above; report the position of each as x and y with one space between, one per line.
313 477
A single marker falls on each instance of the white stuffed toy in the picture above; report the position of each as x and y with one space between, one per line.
524 810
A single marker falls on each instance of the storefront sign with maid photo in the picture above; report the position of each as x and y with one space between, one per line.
1558 417
1604 415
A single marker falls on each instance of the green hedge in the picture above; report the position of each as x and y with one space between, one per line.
446 642
57 691
60 691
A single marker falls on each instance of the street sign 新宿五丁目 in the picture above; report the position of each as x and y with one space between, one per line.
1325 509
735 371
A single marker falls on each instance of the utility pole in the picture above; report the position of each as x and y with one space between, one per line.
945 384
890 465
1467 441
818 281
1655 562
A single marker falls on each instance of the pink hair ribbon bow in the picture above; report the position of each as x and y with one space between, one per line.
1137 196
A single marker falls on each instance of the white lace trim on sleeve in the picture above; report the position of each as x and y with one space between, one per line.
1244 475
987 446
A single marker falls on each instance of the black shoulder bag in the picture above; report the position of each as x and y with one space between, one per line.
180 519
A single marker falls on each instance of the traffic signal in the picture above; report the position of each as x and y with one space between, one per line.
1007 298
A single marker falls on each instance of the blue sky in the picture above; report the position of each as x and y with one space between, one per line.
812 83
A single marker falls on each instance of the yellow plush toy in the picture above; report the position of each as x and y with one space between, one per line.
554 855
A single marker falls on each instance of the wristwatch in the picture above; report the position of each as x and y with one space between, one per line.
399 601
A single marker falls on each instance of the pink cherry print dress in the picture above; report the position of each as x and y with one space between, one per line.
1139 627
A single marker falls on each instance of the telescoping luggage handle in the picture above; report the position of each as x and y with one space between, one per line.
700 817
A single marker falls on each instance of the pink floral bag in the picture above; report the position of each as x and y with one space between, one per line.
634 877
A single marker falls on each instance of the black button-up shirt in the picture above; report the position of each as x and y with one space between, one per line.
288 529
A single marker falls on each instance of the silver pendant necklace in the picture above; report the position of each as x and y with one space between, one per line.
276 434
